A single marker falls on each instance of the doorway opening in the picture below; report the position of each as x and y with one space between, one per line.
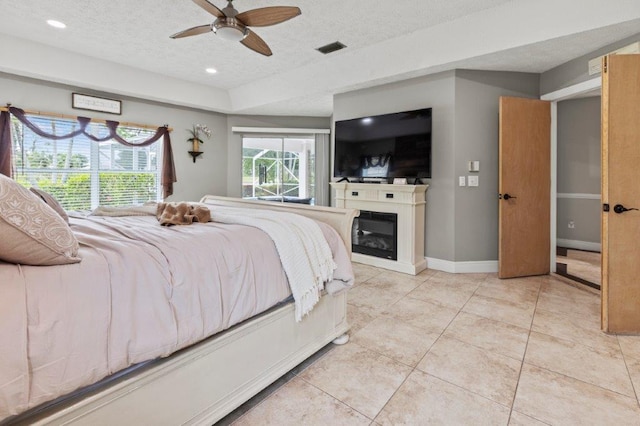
576 186
579 265
279 168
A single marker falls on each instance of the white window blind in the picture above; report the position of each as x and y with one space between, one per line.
82 174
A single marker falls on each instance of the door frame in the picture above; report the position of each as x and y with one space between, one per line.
555 97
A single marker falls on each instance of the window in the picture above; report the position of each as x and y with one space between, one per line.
81 173
279 168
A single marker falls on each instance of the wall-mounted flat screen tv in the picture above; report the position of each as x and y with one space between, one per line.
384 146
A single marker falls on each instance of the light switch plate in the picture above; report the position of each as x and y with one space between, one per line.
473 180
474 166
462 181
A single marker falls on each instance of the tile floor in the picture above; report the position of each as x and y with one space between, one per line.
461 349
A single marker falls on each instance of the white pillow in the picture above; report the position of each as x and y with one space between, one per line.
32 232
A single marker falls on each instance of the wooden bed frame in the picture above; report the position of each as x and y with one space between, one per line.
201 384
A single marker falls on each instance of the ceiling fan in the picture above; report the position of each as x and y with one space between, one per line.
234 26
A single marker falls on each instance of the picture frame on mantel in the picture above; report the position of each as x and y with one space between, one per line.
94 103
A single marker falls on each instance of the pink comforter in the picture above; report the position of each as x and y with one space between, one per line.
142 291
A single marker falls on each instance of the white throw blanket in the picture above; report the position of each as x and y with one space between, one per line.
305 254
147 209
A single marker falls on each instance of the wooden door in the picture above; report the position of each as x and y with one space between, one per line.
620 191
525 187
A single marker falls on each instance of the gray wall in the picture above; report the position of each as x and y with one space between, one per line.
438 92
234 153
461 223
577 70
579 168
217 171
207 176
476 138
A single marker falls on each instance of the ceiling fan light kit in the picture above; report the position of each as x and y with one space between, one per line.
229 29
234 26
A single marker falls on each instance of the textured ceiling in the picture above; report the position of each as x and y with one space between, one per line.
136 34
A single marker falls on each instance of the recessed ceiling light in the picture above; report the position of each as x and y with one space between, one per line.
56 24
367 120
212 70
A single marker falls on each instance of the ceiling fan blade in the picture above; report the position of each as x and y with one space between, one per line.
193 31
254 42
209 8
266 16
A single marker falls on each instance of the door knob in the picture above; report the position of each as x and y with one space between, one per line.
506 197
619 208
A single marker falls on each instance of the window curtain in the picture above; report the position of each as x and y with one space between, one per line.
323 172
168 166
5 143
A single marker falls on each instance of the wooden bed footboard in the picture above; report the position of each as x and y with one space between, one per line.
201 384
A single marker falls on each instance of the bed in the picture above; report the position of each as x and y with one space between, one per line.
187 376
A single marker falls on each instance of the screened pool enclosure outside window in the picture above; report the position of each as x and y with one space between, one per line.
82 174
279 168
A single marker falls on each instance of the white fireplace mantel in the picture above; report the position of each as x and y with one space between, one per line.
408 202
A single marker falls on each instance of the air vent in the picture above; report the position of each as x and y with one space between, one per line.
331 47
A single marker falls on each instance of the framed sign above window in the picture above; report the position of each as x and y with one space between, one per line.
93 103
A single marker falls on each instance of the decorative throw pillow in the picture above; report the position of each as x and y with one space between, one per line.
51 202
32 232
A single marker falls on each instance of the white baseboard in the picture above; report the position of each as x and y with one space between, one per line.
485 266
579 245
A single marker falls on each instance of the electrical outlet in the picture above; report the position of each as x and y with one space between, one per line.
572 224
462 181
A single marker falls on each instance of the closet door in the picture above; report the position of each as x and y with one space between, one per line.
525 187
621 194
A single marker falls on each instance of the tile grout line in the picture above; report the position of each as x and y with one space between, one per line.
499 300
558 373
414 368
624 358
590 349
442 335
581 381
277 389
513 401
381 354
477 347
336 399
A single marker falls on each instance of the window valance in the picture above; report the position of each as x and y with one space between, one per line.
168 167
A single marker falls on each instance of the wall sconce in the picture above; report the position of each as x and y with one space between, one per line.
195 154
196 140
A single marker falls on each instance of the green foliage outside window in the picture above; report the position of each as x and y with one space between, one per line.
116 189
